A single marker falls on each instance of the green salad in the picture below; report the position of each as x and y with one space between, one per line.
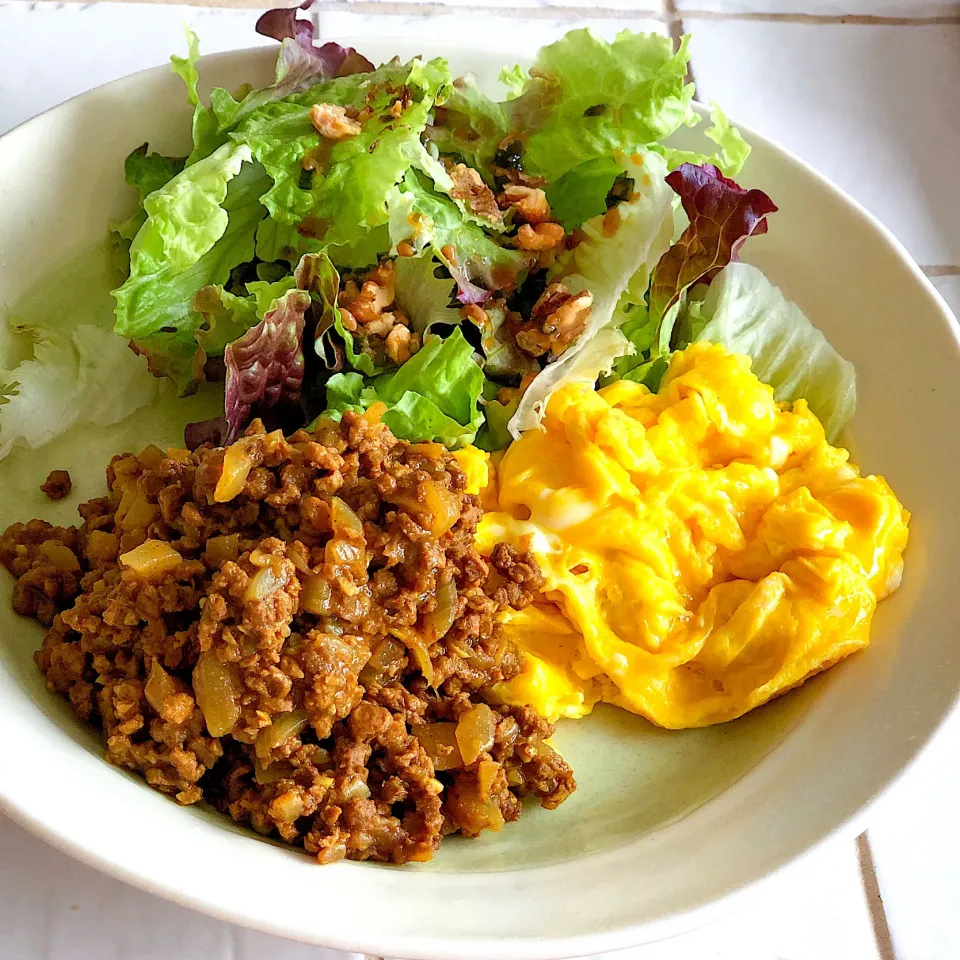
356 234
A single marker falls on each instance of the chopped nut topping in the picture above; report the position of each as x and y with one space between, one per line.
380 326
370 313
347 319
477 315
557 319
468 186
377 293
332 123
401 344
543 236
405 249
530 203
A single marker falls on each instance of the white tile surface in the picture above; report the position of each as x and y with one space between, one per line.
915 833
53 908
874 108
544 8
62 49
461 27
831 8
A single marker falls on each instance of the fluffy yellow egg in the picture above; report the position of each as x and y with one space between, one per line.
704 548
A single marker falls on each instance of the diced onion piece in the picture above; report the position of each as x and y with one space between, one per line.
333 853
514 777
60 555
509 730
421 656
344 518
475 732
316 596
486 776
127 465
152 560
238 461
339 552
284 726
221 549
101 546
428 449
278 770
473 812
439 620
286 807
265 581
385 663
151 456
127 487
439 740
140 514
356 789
442 505
158 687
217 687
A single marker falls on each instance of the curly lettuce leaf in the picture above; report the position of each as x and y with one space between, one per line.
227 317
722 215
422 296
581 193
224 317
469 124
319 277
265 366
206 136
199 227
341 198
513 78
300 65
424 219
605 264
434 396
502 356
639 328
62 379
587 98
747 314
150 171
731 156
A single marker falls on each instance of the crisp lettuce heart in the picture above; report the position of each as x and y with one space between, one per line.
747 314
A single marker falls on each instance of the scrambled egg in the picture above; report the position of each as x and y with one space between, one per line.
704 548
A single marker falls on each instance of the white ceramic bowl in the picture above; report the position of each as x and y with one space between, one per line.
666 827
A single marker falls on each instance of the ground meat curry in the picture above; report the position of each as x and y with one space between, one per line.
300 632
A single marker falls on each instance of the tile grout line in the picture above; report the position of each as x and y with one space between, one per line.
846 19
940 270
674 22
414 8
871 890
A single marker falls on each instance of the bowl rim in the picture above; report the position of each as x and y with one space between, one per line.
542 948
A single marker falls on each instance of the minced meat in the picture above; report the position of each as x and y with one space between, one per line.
57 485
299 631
